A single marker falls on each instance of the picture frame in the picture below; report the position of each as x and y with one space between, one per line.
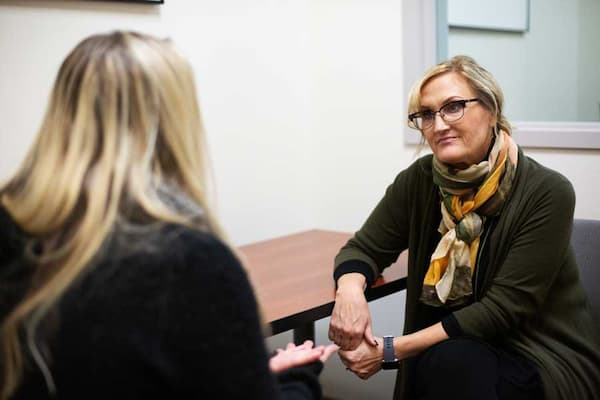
496 15
136 1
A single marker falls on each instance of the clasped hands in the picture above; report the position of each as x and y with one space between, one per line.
350 328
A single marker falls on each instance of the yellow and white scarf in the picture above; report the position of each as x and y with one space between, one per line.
468 197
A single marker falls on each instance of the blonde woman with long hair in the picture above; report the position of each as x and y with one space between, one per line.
116 282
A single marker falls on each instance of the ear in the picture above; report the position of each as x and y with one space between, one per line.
493 120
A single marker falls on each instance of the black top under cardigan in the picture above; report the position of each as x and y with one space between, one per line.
169 314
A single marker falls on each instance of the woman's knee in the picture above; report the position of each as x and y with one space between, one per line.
457 368
457 357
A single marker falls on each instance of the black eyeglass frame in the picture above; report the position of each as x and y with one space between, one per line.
419 114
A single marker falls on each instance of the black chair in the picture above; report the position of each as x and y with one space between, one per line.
586 244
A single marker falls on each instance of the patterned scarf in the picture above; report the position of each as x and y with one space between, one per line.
468 197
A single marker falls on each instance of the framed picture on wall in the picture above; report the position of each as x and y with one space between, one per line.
496 15
136 1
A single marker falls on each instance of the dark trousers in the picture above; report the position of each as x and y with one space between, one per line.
465 368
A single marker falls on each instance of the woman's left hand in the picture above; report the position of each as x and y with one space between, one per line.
365 360
294 356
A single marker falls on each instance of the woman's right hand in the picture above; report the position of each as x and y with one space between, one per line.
350 318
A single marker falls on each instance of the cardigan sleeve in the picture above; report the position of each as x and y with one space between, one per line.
536 250
213 343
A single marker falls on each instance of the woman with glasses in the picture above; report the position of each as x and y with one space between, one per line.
494 306
115 279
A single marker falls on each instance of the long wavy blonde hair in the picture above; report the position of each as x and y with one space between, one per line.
122 124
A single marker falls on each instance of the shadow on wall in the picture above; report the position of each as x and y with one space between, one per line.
339 384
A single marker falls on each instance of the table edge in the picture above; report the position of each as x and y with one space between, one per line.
311 315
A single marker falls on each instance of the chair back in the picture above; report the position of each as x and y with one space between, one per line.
586 244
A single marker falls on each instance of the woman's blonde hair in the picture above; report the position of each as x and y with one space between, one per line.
122 128
481 81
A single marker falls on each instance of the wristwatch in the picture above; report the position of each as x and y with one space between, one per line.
389 358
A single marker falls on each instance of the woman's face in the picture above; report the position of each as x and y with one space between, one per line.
460 143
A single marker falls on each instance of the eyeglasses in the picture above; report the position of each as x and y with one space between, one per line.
450 112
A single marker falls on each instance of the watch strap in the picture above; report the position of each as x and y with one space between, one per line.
388 350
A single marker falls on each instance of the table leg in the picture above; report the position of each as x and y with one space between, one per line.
304 332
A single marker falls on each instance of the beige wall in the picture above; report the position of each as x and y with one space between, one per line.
302 100
250 64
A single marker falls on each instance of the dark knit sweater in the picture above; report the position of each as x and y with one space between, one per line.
527 295
168 314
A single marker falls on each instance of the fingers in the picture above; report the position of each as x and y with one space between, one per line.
369 337
328 351
305 353
356 370
354 340
347 337
364 375
332 334
365 361
294 356
349 320
308 344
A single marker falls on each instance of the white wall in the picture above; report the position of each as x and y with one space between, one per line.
357 122
302 101
357 106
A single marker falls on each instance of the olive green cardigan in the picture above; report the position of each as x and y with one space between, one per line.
527 295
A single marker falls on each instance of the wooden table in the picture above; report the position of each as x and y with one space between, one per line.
293 279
